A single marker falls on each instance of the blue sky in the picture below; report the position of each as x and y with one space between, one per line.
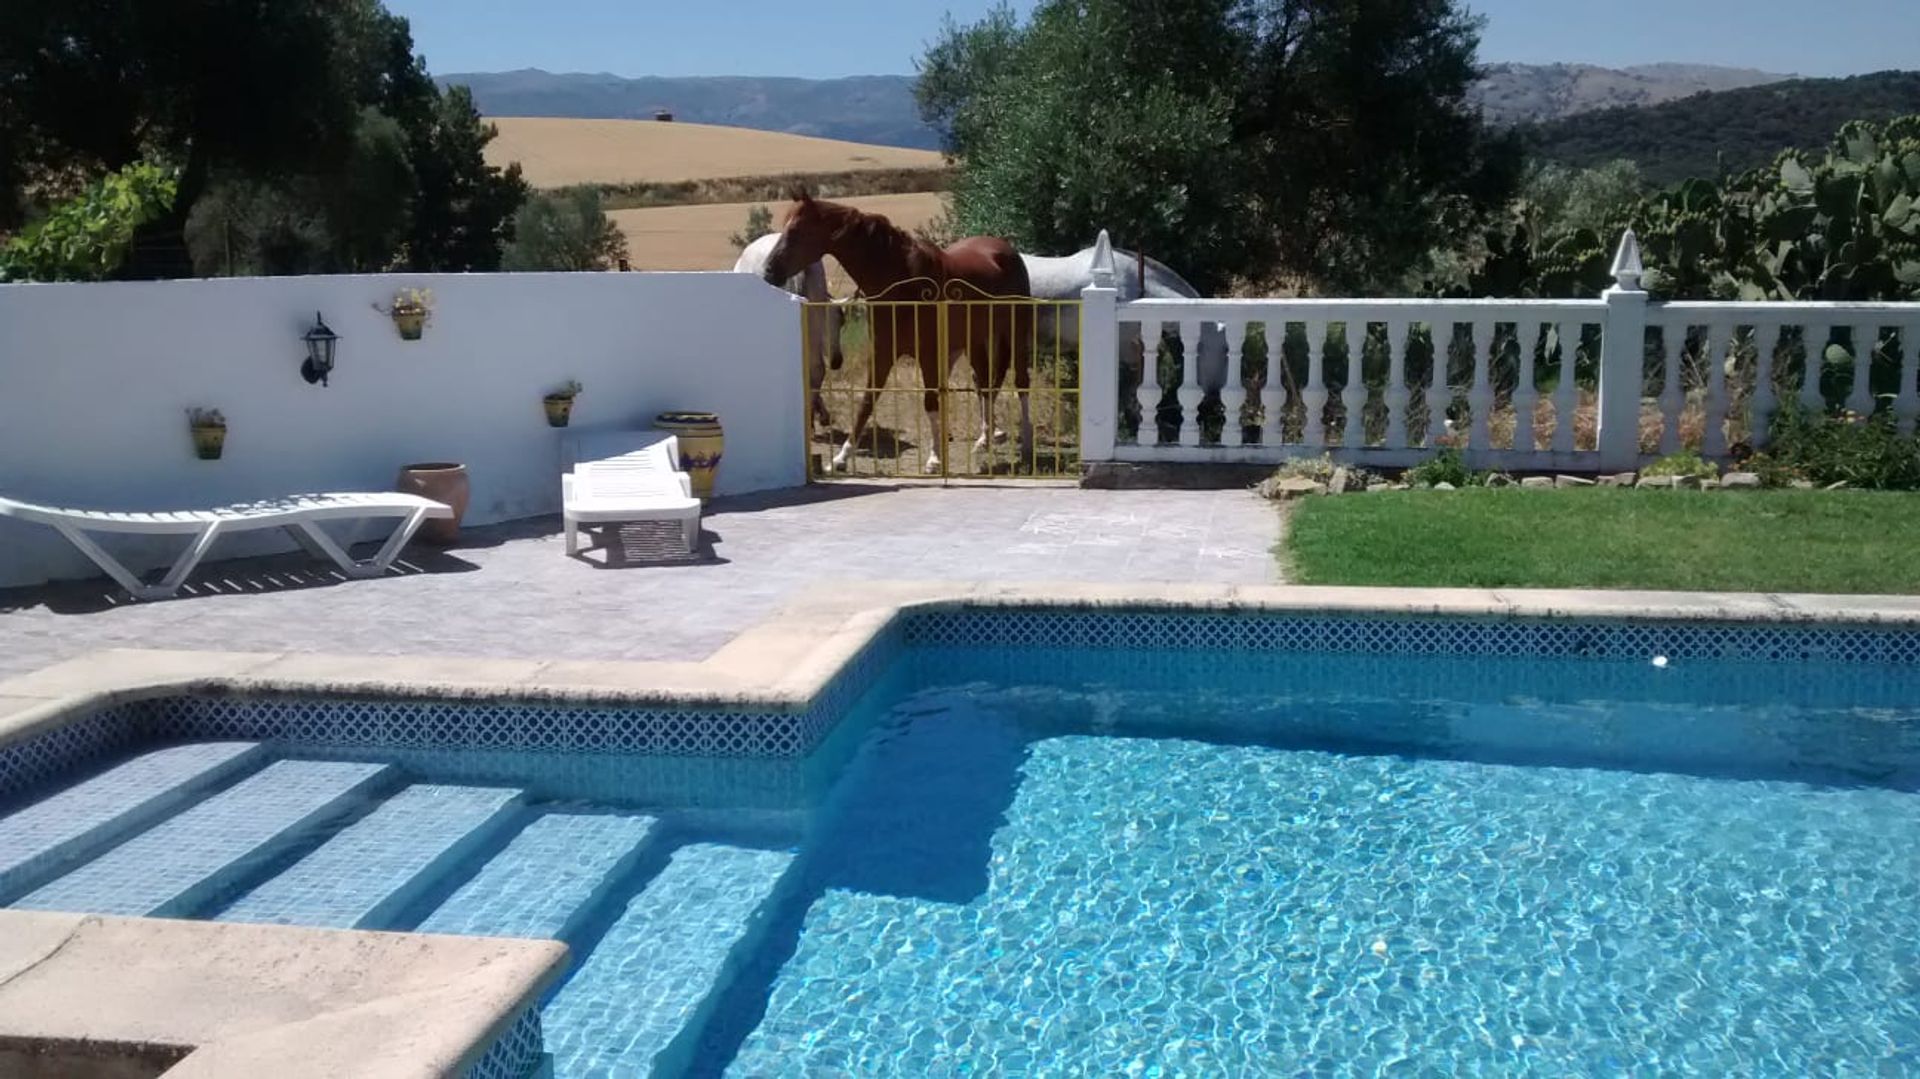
818 38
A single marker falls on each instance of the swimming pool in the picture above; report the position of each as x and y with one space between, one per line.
1101 843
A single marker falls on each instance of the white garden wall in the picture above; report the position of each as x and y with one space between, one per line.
95 381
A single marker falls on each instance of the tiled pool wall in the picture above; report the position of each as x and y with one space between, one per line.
319 722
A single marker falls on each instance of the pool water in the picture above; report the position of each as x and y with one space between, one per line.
1078 863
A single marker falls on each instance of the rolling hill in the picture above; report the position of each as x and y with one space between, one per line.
1734 130
554 152
879 109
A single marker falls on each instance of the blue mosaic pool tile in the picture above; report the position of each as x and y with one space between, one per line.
89 816
518 1053
1262 631
649 975
363 875
33 761
409 724
174 867
543 881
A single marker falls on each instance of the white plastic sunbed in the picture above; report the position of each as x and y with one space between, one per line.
640 485
300 515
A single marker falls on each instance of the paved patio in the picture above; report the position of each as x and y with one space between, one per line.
509 591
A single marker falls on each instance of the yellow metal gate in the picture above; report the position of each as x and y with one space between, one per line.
875 415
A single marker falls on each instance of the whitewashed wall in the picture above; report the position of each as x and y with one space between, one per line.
95 381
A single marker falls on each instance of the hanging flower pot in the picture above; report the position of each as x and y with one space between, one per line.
209 430
559 404
411 308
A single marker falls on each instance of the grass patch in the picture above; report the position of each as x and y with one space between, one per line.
1734 541
644 194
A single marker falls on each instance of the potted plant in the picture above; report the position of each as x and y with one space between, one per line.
209 429
411 308
560 403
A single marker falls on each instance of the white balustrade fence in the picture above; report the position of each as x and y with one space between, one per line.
1566 385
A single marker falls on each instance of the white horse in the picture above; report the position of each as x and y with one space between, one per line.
1064 277
822 333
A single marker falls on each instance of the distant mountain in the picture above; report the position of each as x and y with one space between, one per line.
1734 130
876 109
879 108
1528 93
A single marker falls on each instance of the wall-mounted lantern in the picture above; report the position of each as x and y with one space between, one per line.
320 343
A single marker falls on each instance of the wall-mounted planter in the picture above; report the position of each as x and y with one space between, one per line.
411 324
209 429
559 409
209 441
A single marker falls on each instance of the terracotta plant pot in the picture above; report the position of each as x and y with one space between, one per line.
411 324
702 441
208 441
559 409
442 481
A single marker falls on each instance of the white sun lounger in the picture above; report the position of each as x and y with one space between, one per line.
300 515
638 486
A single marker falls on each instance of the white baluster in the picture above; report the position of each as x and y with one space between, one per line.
1566 396
1906 404
1814 338
1353 396
1149 391
1860 397
1233 392
1674 336
1480 398
1525 396
1314 393
1190 393
1766 340
1273 396
1396 396
1713 442
1439 394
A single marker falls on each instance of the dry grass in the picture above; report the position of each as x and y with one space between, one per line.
556 152
696 237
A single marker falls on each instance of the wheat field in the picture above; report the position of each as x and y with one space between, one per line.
554 152
696 237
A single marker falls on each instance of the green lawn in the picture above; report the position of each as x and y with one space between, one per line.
1723 541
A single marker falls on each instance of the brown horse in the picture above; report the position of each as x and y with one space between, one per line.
878 256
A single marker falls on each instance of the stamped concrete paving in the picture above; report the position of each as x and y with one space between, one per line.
509 591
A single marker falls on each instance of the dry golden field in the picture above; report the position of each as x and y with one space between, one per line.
555 152
696 237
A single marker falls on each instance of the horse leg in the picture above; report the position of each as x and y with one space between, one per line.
1022 359
860 418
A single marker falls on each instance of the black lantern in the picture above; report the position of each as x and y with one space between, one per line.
320 342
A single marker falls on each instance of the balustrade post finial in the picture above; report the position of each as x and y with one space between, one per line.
1627 268
1103 272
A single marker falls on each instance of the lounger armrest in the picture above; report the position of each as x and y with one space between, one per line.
566 486
686 484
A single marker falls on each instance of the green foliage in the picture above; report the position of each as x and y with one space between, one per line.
1843 227
759 223
87 239
312 114
1684 463
1724 133
1864 452
565 230
1224 137
1447 466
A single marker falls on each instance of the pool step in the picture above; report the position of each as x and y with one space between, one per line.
546 879
176 866
660 959
43 839
374 867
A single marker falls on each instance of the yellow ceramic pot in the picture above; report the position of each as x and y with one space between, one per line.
701 443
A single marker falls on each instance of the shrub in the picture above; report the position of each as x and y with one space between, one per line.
565 229
759 223
1447 466
87 238
1861 451
1684 463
